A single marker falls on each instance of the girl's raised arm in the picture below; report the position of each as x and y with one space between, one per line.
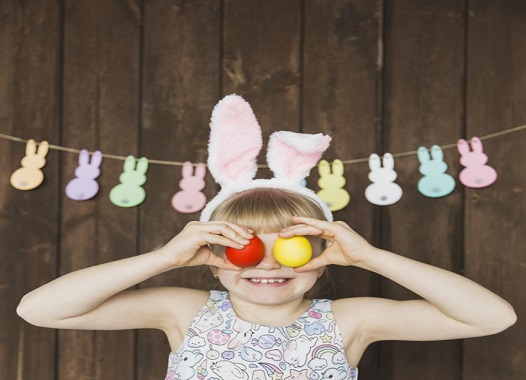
452 306
95 297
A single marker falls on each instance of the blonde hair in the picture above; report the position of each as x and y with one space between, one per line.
266 210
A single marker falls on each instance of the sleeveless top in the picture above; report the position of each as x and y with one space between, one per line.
220 346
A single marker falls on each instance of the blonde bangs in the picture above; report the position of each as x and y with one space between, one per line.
266 210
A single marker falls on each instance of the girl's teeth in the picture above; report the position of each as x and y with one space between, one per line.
268 280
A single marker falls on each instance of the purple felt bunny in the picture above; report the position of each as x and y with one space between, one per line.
85 186
476 173
190 198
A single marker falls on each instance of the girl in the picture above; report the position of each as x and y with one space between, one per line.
264 326
264 318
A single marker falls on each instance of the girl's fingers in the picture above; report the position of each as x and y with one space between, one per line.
315 263
222 263
300 230
230 231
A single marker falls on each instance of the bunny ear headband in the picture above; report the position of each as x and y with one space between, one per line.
235 142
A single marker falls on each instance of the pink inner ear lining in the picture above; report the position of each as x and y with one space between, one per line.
288 161
235 141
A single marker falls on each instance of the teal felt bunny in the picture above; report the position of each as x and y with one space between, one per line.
436 182
129 192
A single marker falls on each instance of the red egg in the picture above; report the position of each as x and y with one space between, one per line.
248 256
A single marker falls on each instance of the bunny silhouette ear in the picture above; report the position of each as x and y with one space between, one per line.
188 169
462 147
43 148
423 155
292 155
31 147
129 164
337 167
388 161
324 168
83 157
96 158
476 145
235 141
436 153
200 171
142 165
374 162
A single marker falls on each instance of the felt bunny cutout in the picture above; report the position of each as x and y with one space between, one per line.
29 176
383 191
84 186
476 173
332 184
129 192
436 182
235 142
190 198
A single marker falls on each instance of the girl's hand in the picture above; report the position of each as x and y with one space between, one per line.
344 246
191 246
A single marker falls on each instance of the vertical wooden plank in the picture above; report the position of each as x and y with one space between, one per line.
180 88
423 102
261 61
494 229
29 104
101 108
341 87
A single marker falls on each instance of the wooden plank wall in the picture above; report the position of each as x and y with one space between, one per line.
141 77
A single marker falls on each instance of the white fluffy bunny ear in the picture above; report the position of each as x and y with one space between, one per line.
235 141
292 155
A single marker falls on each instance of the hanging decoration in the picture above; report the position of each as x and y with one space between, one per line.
190 198
332 183
29 176
129 192
435 182
383 191
476 173
85 186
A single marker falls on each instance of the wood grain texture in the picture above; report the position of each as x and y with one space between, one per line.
423 103
101 109
494 216
181 84
342 65
29 104
141 77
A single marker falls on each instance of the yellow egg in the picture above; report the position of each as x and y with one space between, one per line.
293 252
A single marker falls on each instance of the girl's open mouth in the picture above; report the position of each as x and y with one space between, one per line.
257 280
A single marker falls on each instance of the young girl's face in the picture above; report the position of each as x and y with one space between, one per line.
269 282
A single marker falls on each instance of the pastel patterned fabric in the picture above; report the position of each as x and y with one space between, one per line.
220 346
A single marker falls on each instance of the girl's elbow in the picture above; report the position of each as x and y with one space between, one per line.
502 322
29 313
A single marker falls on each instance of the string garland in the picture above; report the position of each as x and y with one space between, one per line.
383 190
178 163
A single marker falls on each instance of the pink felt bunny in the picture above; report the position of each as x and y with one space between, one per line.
235 142
84 186
476 173
190 198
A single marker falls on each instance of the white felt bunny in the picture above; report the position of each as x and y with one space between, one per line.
235 142
383 191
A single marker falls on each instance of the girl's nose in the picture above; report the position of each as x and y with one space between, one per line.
268 262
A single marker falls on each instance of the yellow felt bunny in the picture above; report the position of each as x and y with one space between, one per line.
29 176
332 184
